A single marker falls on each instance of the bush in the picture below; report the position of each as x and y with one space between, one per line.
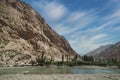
33 62
118 65
41 60
58 63
69 63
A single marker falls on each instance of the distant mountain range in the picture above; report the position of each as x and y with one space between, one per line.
97 51
106 52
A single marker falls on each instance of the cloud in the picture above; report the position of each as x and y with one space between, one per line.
97 37
103 26
87 43
75 16
75 21
53 11
116 14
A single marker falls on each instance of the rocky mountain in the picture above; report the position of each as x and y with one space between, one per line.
24 35
97 51
109 52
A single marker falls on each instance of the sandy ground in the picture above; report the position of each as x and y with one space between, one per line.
61 77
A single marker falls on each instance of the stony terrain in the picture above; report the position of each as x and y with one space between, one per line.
62 77
24 35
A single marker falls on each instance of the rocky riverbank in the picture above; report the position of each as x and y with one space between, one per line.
61 77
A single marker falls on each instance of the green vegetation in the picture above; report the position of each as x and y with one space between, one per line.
62 62
118 66
88 58
32 62
41 60
75 59
66 60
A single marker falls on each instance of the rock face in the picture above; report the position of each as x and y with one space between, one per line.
110 52
24 35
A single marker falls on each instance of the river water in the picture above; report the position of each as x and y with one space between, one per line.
57 70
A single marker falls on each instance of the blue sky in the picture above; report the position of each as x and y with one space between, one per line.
86 24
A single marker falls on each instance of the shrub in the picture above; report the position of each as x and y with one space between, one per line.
33 62
41 60
58 63
118 65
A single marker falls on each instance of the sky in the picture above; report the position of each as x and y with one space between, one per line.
86 24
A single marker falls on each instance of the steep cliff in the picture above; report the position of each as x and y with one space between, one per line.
24 35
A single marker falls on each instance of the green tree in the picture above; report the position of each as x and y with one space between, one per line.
88 58
75 59
62 59
91 58
67 58
85 58
41 60
33 62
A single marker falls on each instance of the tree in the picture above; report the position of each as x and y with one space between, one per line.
33 62
88 58
62 59
67 58
41 60
75 59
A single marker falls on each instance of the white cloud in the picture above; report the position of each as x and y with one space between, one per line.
107 24
62 29
86 43
53 11
116 14
97 37
75 21
75 16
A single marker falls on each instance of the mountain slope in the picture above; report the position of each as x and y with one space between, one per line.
97 51
24 35
111 52
107 52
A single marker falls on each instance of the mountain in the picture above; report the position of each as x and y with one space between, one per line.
24 36
107 52
112 52
97 51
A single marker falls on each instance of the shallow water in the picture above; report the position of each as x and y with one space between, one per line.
57 70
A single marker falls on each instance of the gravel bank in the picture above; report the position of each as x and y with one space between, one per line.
61 77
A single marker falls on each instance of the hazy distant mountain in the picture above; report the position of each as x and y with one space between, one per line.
107 52
24 35
110 52
97 51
